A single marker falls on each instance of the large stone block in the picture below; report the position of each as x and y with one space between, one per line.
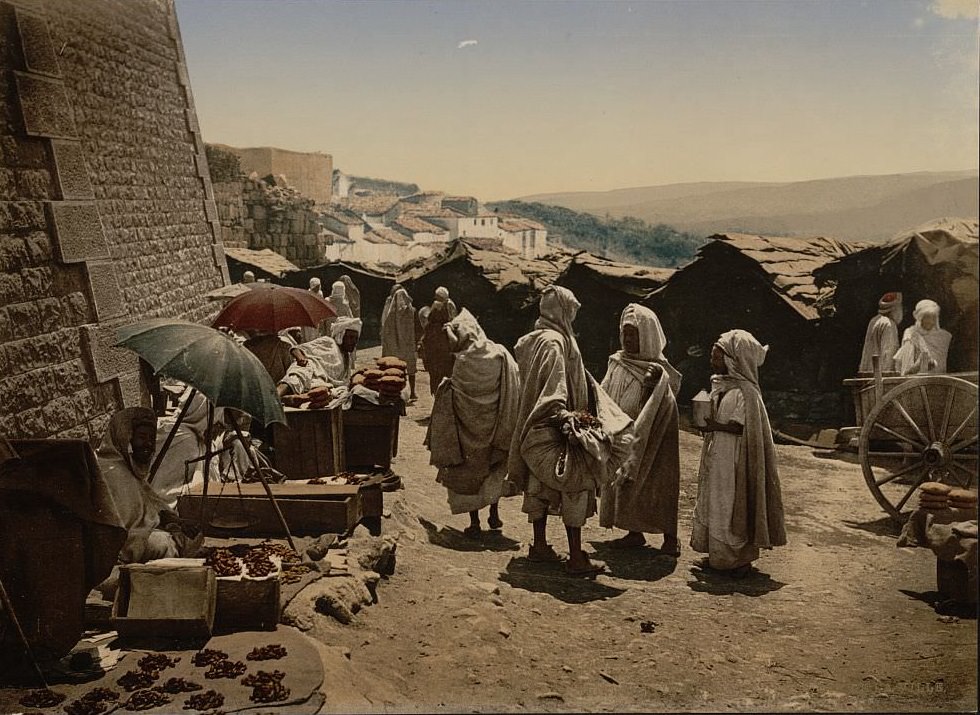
104 289
106 361
219 255
44 106
71 170
131 391
78 232
35 40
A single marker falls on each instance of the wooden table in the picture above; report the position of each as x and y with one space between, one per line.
371 434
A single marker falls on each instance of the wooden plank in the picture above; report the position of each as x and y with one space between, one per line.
310 444
247 604
287 490
312 517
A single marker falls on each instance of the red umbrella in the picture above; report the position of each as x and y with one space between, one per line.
270 308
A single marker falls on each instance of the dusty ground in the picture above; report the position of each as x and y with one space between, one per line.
838 620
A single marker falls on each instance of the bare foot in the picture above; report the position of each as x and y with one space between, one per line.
580 565
543 553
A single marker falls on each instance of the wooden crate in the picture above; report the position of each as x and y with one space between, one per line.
247 604
309 509
371 435
311 444
169 598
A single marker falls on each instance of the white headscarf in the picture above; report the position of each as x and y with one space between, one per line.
652 344
924 308
442 293
923 350
744 355
342 325
558 308
315 286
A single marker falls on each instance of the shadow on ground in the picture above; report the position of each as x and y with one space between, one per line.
942 605
640 564
550 578
885 526
755 583
450 538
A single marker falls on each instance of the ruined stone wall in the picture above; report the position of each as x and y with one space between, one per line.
106 208
310 173
257 214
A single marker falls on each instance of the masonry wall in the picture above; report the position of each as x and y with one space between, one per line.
310 173
256 214
106 208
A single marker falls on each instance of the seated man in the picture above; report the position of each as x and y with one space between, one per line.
345 332
125 457
319 363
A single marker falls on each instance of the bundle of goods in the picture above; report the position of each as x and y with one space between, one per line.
387 379
934 496
963 499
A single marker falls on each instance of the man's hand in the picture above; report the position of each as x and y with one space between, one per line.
652 376
300 357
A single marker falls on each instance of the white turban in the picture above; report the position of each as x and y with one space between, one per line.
442 293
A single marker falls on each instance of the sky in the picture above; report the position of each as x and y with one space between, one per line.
500 98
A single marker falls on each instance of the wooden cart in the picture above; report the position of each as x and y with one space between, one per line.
914 429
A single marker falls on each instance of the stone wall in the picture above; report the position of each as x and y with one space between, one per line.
311 173
255 213
106 207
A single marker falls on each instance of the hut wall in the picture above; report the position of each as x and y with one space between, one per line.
505 315
708 298
597 324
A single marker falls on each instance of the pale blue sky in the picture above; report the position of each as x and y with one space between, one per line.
564 96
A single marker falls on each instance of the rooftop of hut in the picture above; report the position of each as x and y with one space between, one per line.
416 224
787 262
265 260
627 278
501 268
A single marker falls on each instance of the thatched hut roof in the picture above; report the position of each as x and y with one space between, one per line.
265 263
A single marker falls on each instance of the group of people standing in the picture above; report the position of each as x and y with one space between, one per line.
923 348
537 424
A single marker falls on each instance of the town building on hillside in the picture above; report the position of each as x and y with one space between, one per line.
604 288
420 230
764 285
371 209
466 205
344 222
527 237
483 225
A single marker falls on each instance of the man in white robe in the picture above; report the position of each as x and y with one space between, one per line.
473 417
570 438
319 363
125 456
346 332
925 345
881 338
739 508
398 338
645 385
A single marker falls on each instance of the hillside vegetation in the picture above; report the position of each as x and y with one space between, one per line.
624 239
866 208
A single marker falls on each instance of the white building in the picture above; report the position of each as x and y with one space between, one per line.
527 237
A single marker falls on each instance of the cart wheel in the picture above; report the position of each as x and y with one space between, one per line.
923 430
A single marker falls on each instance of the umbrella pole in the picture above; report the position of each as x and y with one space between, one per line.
207 468
158 460
268 489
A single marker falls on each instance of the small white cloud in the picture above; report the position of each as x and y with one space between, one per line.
467 43
918 22
955 9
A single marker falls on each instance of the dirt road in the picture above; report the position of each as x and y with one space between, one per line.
837 620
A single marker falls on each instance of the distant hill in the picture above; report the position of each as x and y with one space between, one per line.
867 208
624 239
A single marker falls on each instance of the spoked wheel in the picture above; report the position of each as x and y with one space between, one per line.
923 430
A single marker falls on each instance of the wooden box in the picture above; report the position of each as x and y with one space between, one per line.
168 598
309 509
247 604
371 435
311 444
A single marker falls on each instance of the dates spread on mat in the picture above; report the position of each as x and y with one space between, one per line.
208 700
45 698
145 700
137 680
175 686
226 669
269 652
208 656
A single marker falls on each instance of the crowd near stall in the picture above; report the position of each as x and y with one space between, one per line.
192 435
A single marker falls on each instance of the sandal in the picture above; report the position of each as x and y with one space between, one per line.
543 554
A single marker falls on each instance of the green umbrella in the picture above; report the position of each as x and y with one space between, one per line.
208 360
